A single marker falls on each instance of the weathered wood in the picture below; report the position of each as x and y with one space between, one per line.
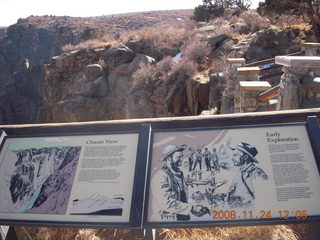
267 95
299 61
164 123
310 45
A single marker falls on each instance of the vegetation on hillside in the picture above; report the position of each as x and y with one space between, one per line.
308 9
217 8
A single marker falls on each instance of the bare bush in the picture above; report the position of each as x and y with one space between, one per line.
160 37
220 65
285 21
165 64
279 232
196 51
255 21
182 70
91 44
142 77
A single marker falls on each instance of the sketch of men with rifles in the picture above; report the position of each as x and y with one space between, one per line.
172 197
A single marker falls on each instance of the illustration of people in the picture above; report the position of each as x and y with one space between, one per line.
172 194
198 159
206 156
190 155
241 193
215 159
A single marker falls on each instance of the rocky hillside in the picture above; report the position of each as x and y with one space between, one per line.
36 40
127 66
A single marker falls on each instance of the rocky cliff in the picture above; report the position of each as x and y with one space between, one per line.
97 84
25 48
141 74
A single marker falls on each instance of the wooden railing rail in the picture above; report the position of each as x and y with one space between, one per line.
165 123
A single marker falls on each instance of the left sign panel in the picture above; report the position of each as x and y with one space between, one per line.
68 179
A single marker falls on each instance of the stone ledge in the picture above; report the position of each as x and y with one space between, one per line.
236 60
248 70
310 45
299 61
254 86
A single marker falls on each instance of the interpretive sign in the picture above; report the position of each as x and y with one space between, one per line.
208 176
68 179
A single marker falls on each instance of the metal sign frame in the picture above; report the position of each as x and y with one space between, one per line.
107 207
221 215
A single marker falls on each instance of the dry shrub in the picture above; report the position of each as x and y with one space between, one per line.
288 21
219 65
164 65
277 232
142 77
159 37
220 21
91 44
254 20
196 51
106 234
182 71
44 233
234 20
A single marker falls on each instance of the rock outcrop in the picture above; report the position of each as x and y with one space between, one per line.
96 84
270 43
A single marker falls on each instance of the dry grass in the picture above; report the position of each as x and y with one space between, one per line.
255 21
196 51
160 36
272 232
220 65
90 44
181 71
142 77
276 232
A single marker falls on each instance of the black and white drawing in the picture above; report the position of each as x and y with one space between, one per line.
38 180
241 193
191 179
98 204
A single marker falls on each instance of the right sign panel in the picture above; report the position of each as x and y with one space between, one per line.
233 174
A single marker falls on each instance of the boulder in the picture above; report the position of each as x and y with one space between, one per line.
142 47
242 28
78 109
93 71
139 60
99 87
216 41
270 43
118 55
